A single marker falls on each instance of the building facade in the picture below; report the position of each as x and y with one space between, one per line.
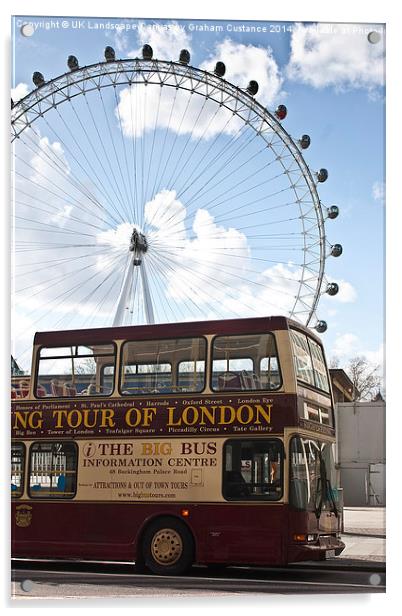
361 452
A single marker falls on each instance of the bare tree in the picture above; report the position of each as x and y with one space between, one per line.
334 363
365 378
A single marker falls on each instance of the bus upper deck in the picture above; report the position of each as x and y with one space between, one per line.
242 368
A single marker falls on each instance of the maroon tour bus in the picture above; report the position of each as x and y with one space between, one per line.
167 445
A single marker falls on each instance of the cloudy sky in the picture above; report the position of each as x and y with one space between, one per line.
76 208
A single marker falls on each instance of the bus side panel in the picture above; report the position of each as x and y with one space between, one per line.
245 534
106 531
225 533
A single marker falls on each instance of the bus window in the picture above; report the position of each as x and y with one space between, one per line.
301 352
253 470
312 475
309 360
244 363
269 373
190 375
53 470
320 370
163 366
17 469
76 370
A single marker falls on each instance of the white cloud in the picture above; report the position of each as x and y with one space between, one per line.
193 263
376 358
210 263
20 91
346 346
378 192
248 62
321 56
167 215
166 42
347 294
63 216
118 238
142 109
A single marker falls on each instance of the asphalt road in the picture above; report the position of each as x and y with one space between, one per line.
66 581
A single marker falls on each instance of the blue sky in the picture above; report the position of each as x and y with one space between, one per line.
332 84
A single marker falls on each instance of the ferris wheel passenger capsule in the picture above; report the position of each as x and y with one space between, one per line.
336 250
281 112
147 52
332 288
184 57
110 55
304 142
252 88
322 175
321 327
72 63
333 212
38 79
220 69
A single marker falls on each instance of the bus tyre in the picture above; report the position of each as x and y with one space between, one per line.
168 547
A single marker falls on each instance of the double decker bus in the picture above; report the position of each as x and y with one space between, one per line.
168 445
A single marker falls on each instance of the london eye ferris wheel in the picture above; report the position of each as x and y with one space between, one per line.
149 190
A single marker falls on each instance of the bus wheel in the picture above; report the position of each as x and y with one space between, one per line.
168 547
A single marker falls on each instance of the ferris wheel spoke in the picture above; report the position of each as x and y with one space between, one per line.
57 280
65 295
190 181
69 201
50 264
246 190
178 165
50 228
199 194
223 165
108 172
265 210
43 176
157 181
225 162
197 143
72 134
128 174
242 180
54 211
233 273
212 283
172 146
54 164
235 268
150 162
134 158
168 268
112 141
265 198
233 255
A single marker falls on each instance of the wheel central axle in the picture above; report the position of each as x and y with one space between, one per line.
138 245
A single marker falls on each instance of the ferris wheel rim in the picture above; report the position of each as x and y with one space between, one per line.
65 87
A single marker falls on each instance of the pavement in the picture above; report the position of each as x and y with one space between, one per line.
364 535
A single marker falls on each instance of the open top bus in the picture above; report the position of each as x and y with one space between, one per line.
166 445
